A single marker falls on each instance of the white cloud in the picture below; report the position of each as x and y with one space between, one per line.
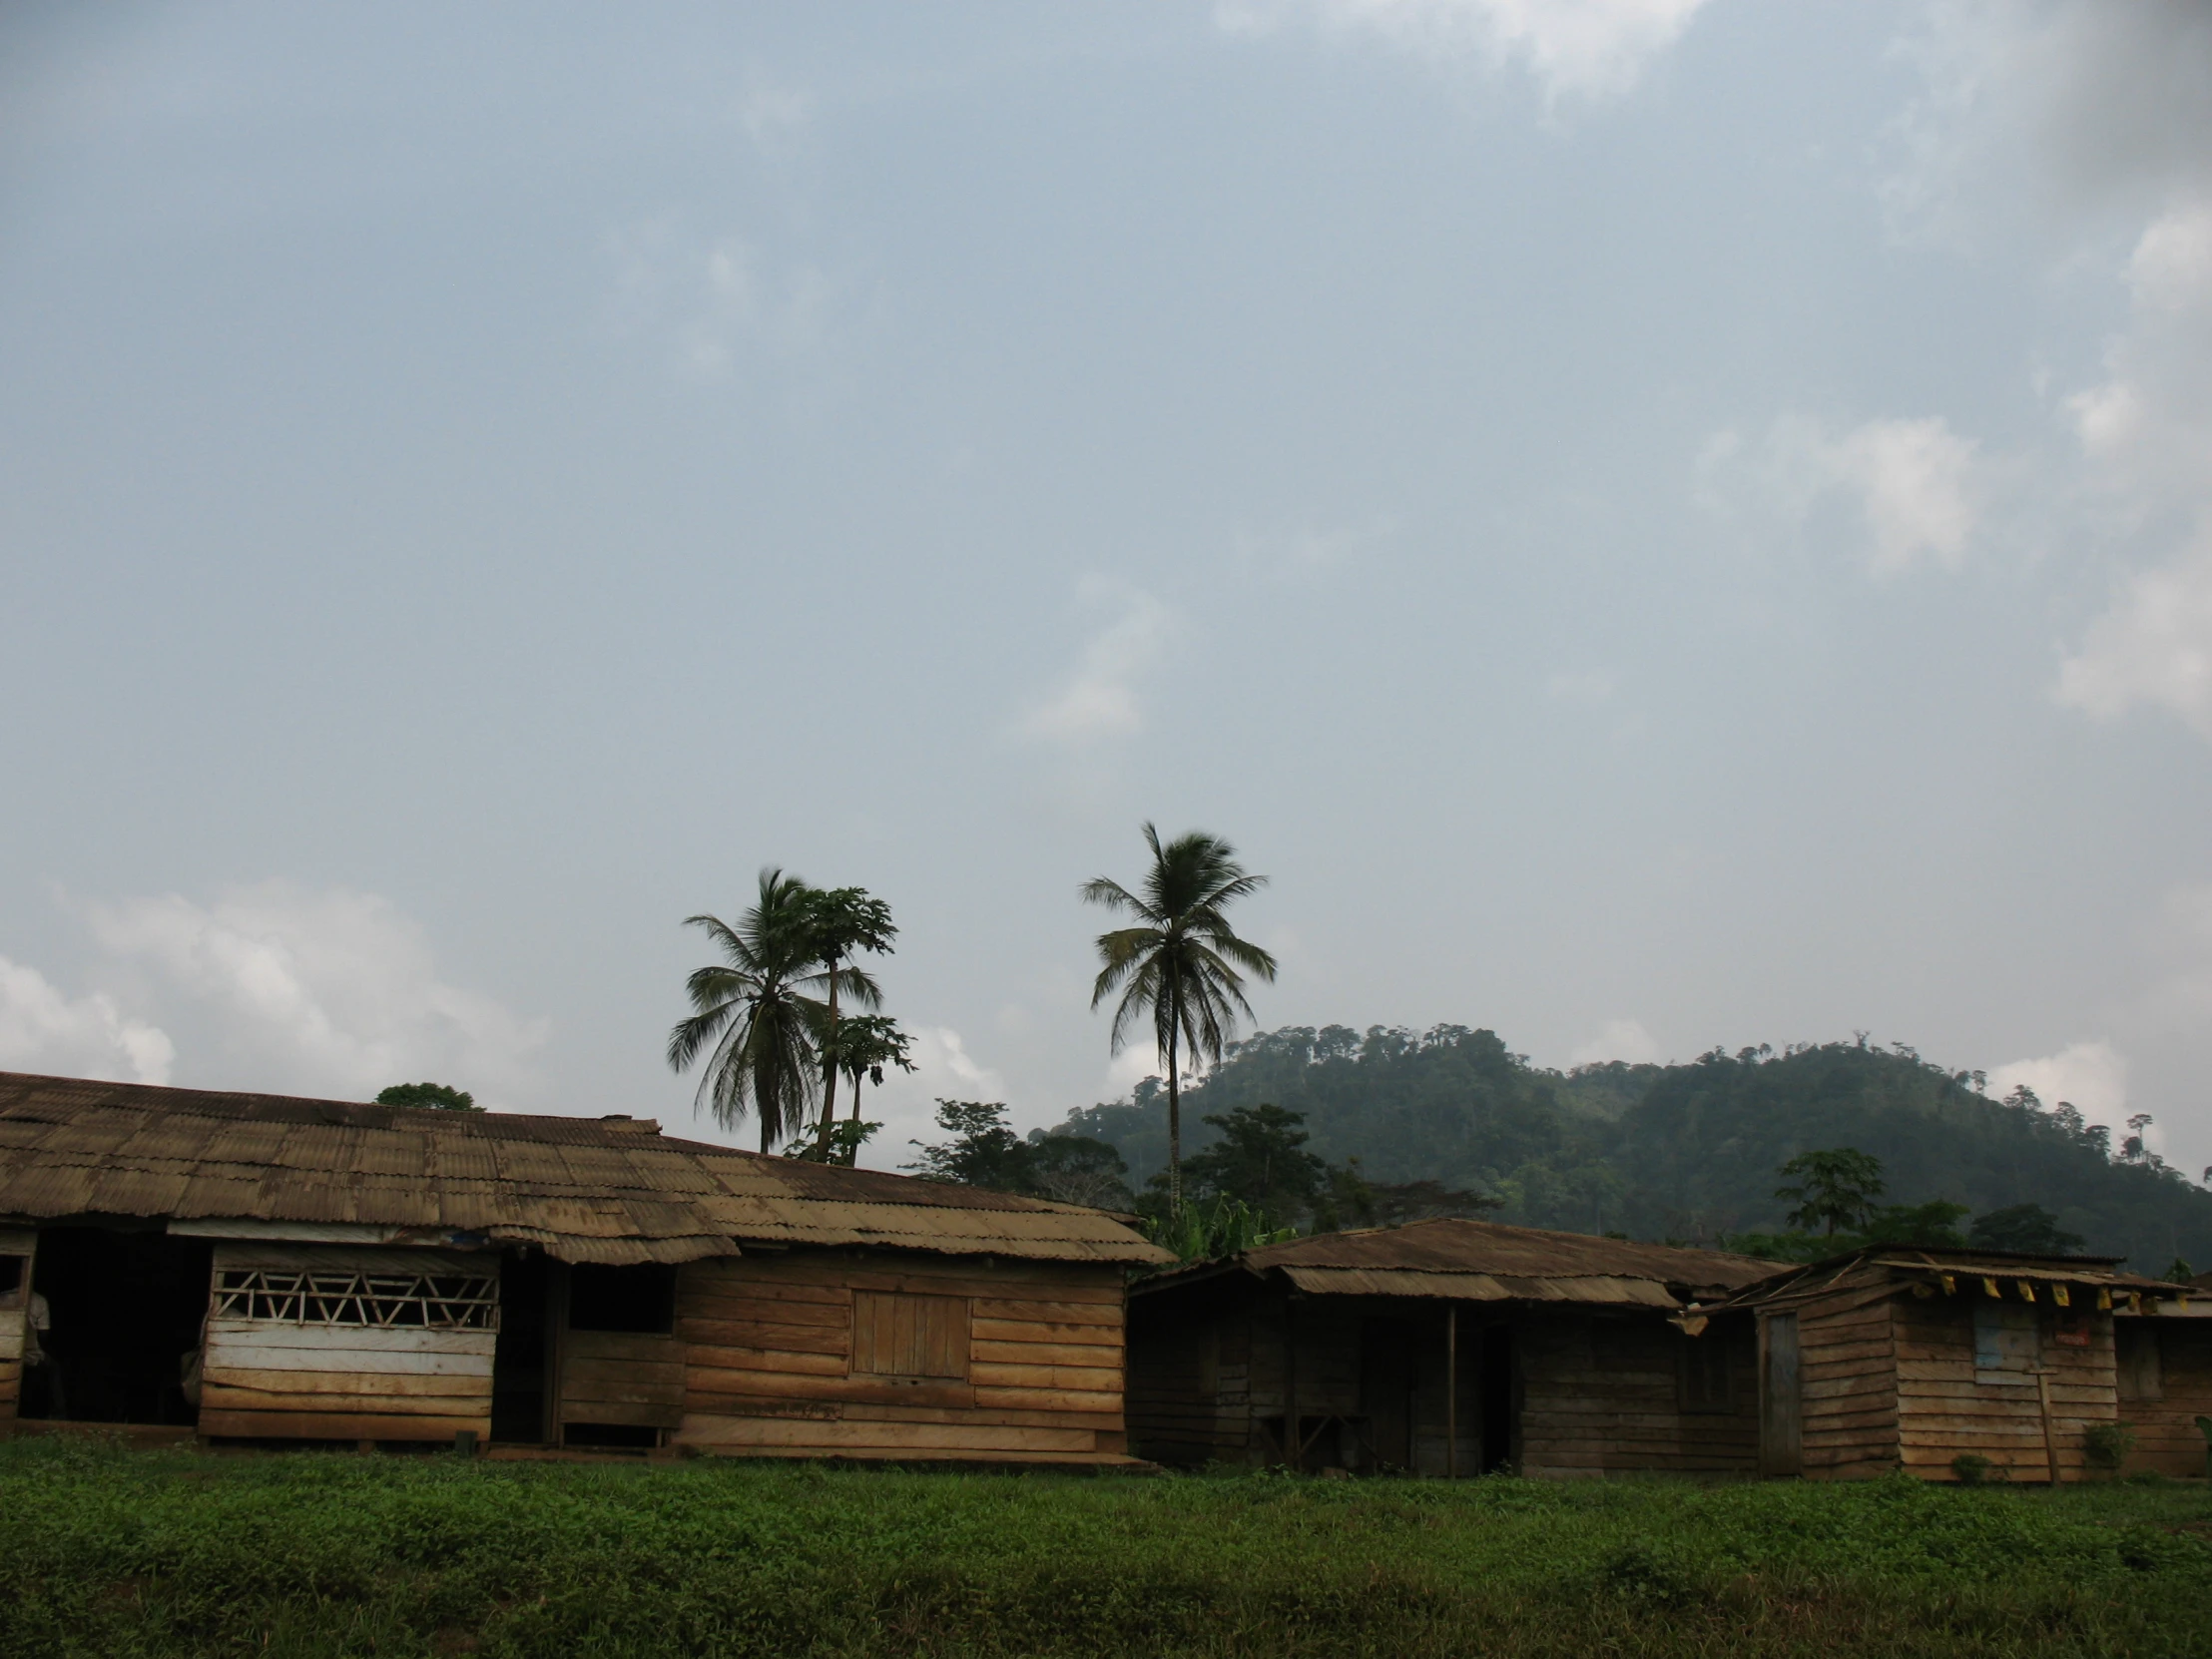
1921 489
2093 1076
907 1104
324 991
42 1030
1102 698
1619 1039
2152 647
2146 436
1586 47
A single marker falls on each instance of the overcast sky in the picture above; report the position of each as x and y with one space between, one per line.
1656 523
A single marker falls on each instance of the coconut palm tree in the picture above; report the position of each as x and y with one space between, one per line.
751 1015
1178 967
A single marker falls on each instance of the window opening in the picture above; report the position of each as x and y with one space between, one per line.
639 1299
305 1295
123 1309
11 1274
897 1334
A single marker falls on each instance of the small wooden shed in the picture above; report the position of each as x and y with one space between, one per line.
268 1269
1889 1358
1448 1347
2162 1361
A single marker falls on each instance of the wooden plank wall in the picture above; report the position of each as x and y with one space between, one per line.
1847 1380
1942 1411
266 1379
627 1379
1190 1381
769 1348
1601 1394
2167 1438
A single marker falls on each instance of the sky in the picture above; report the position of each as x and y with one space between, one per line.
1655 524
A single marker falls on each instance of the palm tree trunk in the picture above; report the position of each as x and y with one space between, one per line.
829 1071
1175 1106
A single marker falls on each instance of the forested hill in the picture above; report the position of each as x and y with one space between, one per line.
1683 1150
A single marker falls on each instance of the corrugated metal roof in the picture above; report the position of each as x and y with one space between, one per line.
1479 1286
1486 1261
1915 1264
602 1190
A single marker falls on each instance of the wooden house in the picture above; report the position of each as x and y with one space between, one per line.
1943 1362
1448 1347
265 1269
2162 1365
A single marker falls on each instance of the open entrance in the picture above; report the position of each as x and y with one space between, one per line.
1495 1397
520 1395
127 1309
1386 1391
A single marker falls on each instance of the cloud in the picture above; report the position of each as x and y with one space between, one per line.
907 1104
714 299
42 1030
2069 110
1102 698
2093 1076
1619 1039
1920 489
320 991
2152 647
1585 47
2146 437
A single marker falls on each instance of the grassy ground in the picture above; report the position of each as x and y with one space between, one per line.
106 1552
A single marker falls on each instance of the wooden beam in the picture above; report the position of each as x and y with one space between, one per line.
1452 1390
2050 1438
1293 1444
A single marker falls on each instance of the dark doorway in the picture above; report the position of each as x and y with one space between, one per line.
1496 1392
1386 1391
518 1361
128 1311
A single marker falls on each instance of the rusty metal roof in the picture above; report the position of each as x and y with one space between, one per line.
1486 1261
587 1190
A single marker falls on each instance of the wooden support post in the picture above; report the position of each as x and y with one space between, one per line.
1294 1442
556 1345
2050 1438
1452 1390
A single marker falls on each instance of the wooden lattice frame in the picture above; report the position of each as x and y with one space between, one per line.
404 1301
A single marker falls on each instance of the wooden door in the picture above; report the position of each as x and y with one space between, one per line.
1781 1411
1386 1391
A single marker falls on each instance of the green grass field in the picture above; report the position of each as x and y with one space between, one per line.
107 1552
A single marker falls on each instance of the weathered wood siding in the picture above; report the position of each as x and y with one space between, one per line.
1949 1403
20 1244
1603 1395
1847 1380
769 1371
1211 1379
2178 1379
297 1379
1191 1374
620 1378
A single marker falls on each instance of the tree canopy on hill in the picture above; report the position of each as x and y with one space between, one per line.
1686 1151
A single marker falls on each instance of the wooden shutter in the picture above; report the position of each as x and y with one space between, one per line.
898 1334
1780 1410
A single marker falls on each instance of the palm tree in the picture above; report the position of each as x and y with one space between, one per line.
1178 966
750 1010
